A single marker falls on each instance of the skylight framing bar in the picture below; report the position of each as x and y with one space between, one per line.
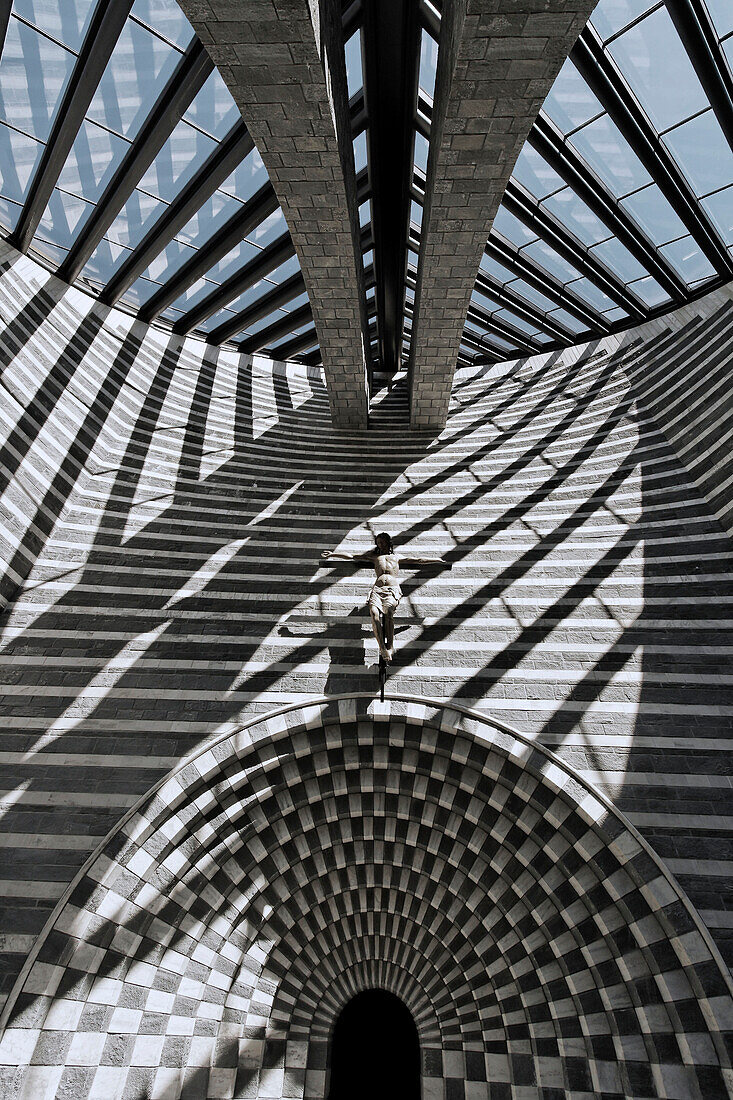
700 39
230 235
511 299
527 209
258 267
235 229
547 140
472 339
504 329
609 88
100 40
226 156
272 299
190 75
524 267
5 9
275 331
298 343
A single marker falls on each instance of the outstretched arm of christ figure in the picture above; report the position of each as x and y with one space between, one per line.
340 555
423 561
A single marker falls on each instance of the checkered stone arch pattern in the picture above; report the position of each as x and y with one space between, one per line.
209 945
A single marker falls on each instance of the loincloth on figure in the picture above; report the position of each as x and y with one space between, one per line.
385 595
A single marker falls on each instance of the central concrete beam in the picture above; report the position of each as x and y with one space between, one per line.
496 63
283 62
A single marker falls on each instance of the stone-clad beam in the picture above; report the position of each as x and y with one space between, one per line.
496 63
286 71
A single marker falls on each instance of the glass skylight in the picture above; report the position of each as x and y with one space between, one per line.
589 235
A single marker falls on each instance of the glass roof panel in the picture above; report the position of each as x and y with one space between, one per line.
570 102
94 157
721 13
63 21
135 218
702 152
9 212
62 218
268 230
354 72
247 178
236 258
531 295
213 109
422 146
518 322
573 213
534 173
688 260
166 18
428 63
284 271
33 76
360 151
611 16
720 209
619 260
590 293
567 320
183 153
649 291
103 261
19 156
493 267
511 228
548 258
606 150
209 218
658 70
138 69
653 213
169 261
194 294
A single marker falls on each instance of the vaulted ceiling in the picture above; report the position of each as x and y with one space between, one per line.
389 187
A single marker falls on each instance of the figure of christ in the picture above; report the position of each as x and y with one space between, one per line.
386 592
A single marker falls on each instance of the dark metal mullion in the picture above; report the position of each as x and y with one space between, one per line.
5 9
549 143
524 267
605 83
504 328
272 300
700 39
254 211
189 76
391 39
226 156
544 225
99 42
510 299
270 258
272 332
298 343
473 341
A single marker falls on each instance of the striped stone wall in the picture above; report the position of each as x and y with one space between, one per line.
164 507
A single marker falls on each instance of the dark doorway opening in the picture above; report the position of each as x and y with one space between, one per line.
375 1050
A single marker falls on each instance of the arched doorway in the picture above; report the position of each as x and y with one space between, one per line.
375 1050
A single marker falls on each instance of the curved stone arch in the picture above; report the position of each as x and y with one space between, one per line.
110 933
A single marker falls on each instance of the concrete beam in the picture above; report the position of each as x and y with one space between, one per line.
283 62
496 63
